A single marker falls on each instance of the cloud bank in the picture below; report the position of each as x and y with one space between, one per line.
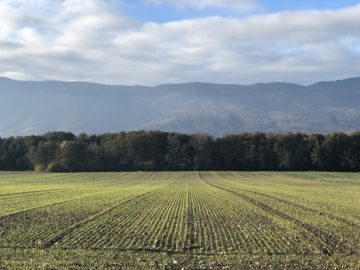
92 40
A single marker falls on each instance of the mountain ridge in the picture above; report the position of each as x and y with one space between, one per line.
35 107
357 79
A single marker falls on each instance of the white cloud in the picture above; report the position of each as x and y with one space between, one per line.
352 44
89 40
239 5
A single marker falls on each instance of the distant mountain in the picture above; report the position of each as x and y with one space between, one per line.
38 107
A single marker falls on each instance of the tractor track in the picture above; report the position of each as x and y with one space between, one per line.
331 243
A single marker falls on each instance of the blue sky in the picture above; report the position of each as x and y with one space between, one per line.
279 5
171 41
167 12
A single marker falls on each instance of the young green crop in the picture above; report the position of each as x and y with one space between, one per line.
171 220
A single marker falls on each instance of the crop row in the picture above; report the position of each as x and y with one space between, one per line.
34 226
188 215
208 213
335 233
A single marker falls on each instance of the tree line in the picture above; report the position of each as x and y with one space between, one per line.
165 151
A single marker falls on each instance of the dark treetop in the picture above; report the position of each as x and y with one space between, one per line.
162 151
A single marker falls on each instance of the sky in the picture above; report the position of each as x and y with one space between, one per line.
151 42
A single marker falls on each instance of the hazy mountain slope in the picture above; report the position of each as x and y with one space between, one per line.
37 107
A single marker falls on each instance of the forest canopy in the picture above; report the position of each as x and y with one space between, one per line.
165 151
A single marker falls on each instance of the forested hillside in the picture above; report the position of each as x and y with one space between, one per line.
216 109
162 151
